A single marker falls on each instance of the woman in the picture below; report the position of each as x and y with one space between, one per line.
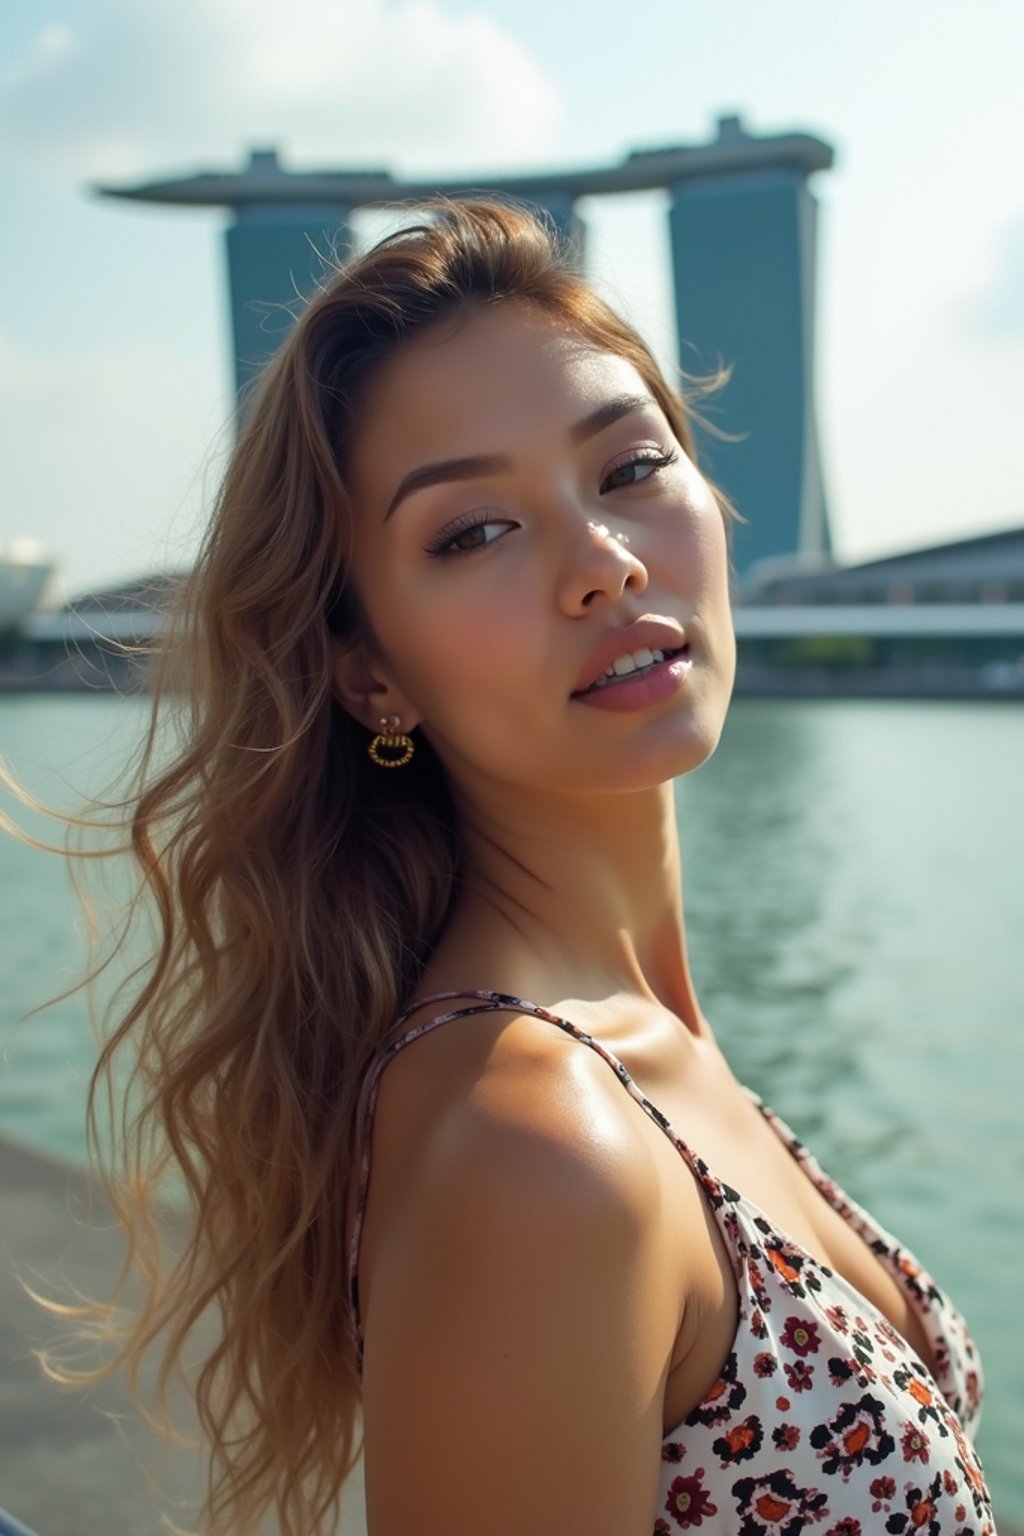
461 617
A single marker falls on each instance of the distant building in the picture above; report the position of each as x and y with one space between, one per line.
943 621
744 253
743 239
987 568
26 573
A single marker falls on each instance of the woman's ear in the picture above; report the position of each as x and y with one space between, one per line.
362 686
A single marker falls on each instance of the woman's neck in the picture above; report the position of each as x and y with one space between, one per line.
579 897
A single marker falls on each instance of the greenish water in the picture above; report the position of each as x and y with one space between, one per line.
855 906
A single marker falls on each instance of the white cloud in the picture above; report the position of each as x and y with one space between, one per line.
109 454
138 87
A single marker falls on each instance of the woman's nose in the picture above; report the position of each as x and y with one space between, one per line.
603 565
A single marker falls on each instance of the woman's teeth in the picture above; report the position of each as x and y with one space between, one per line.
637 661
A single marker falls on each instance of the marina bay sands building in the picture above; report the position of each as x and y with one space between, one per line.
742 221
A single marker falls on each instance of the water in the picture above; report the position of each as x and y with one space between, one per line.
854 903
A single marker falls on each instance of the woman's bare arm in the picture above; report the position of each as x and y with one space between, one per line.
524 1310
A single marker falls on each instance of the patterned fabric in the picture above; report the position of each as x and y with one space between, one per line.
824 1422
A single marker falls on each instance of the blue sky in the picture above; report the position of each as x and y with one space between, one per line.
114 362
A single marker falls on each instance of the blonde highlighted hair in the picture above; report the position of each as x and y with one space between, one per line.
295 892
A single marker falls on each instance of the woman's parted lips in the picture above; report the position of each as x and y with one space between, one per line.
653 634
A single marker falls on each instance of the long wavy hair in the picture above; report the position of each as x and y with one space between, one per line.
292 894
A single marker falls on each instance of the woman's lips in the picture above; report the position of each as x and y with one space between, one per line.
652 632
636 690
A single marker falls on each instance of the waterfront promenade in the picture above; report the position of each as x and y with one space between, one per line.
76 1464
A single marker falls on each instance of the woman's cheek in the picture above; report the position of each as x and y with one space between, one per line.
710 550
471 640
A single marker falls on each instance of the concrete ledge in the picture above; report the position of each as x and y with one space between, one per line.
70 1463
74 1464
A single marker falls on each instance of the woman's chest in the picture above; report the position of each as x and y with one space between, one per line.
737 1146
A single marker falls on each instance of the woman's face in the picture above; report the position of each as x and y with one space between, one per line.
519 501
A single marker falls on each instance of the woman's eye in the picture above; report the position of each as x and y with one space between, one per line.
635 470
471 538
466 539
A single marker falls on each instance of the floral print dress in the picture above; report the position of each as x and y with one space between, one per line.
824 1422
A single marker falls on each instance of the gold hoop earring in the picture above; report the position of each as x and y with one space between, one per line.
391 741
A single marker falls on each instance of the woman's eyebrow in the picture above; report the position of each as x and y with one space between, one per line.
605 414
479 465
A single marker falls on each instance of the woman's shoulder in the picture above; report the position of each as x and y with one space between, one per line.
504 1083
498 1114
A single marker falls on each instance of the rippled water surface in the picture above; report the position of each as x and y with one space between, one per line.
854 890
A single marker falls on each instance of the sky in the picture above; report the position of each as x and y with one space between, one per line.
115 376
